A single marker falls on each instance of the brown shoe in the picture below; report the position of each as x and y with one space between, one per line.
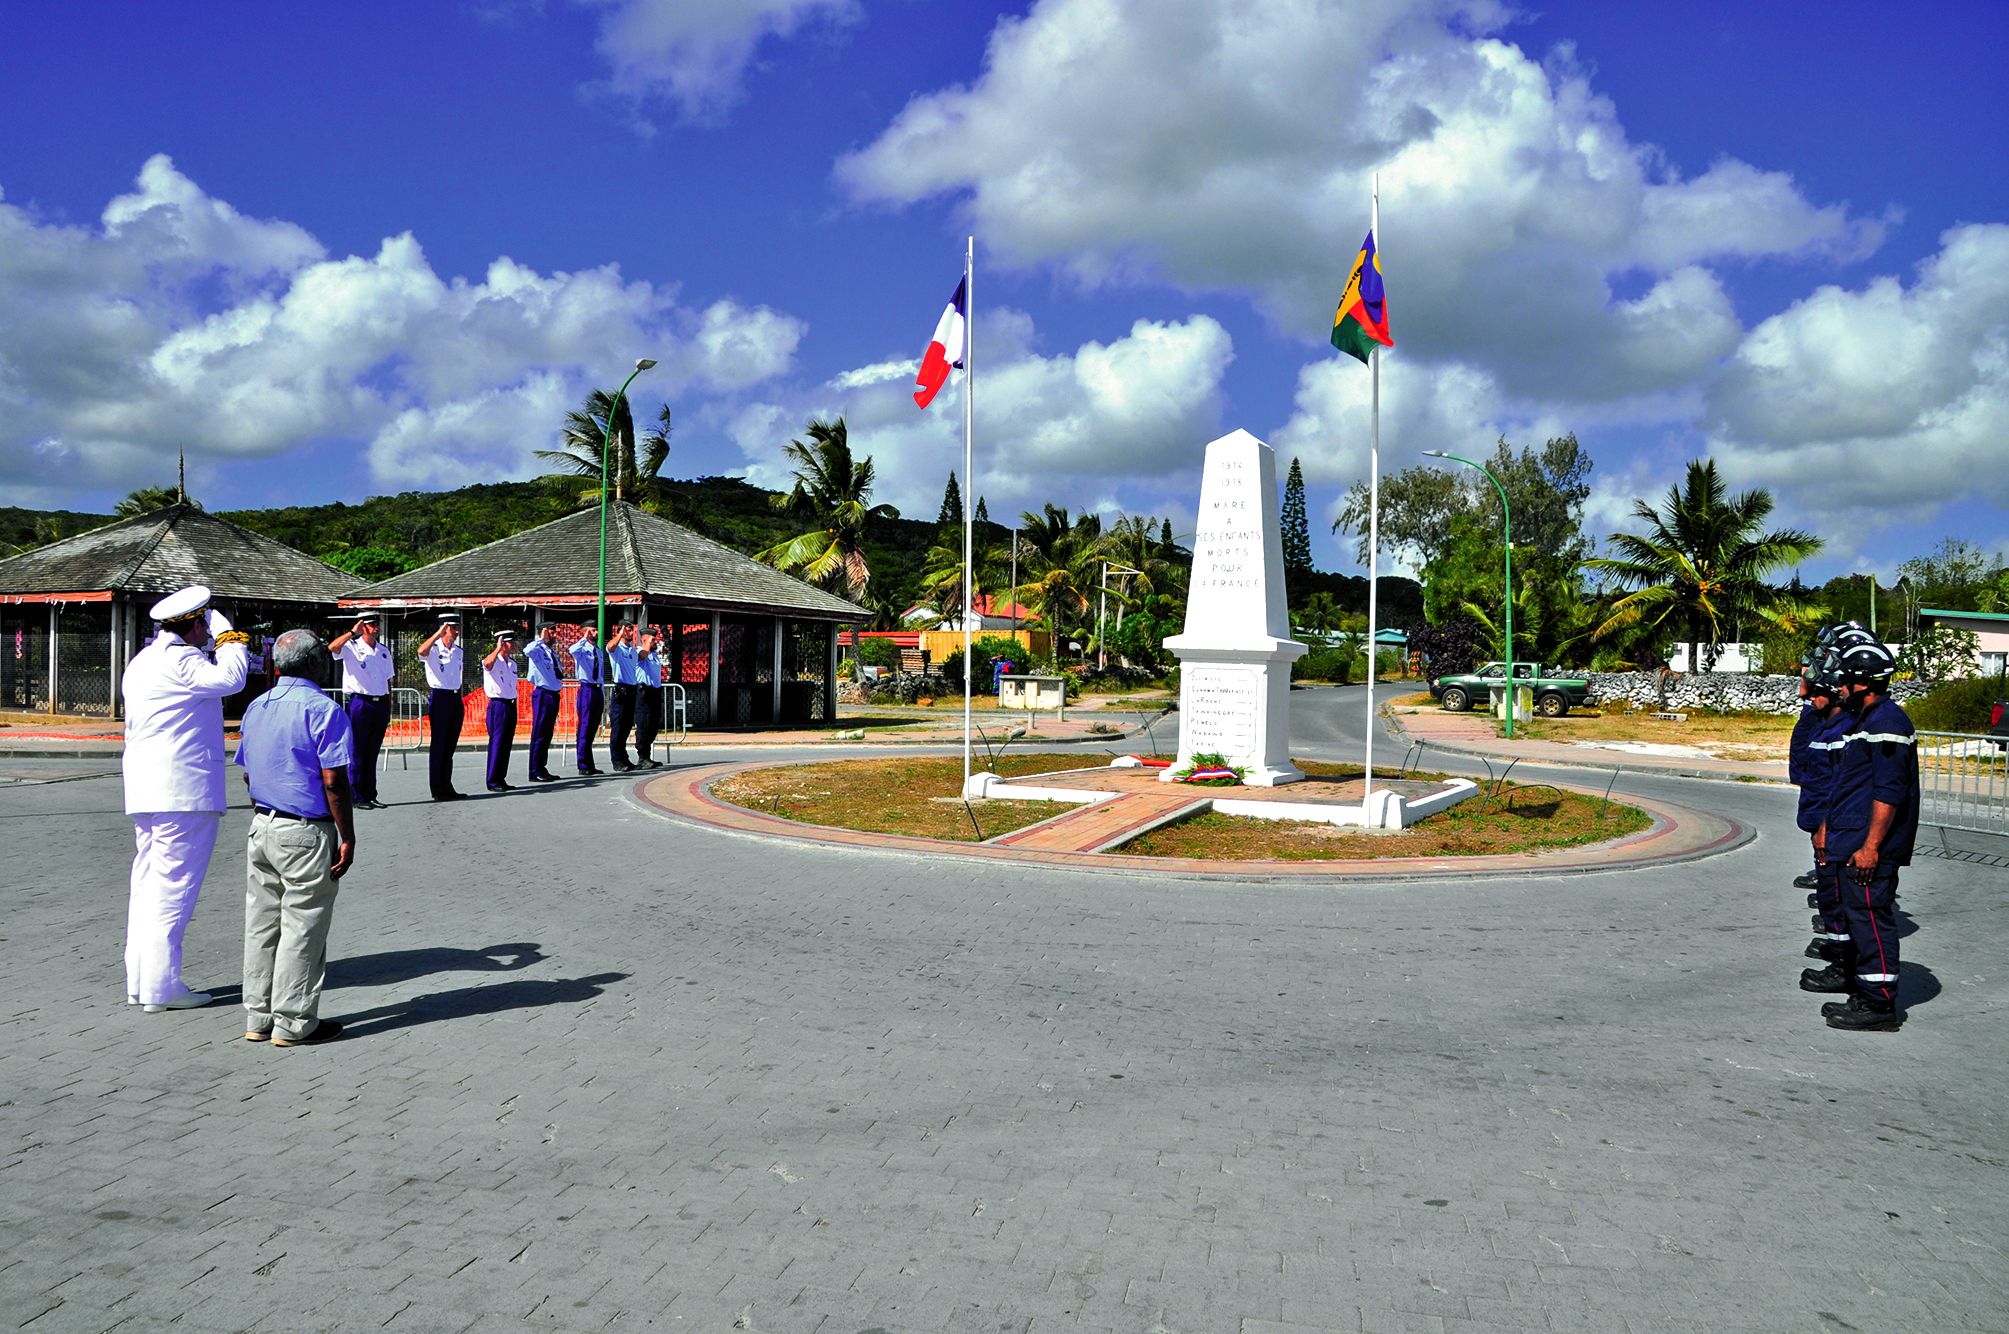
257 1035
325 1031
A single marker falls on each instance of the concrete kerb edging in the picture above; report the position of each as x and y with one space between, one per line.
1677 834
1394 728
114 747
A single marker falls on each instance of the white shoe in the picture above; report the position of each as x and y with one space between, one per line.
132 1000
188 1000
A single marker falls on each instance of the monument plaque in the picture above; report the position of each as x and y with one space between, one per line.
1235 652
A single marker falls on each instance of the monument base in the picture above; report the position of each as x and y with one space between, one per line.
1235 703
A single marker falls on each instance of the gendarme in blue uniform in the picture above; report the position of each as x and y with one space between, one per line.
1817 781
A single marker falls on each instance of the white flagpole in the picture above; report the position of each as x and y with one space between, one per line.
1373 515
969 489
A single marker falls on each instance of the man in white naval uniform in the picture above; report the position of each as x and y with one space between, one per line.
174 784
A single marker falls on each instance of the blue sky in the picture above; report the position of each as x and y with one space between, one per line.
340 251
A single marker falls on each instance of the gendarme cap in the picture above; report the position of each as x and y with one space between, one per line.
176 606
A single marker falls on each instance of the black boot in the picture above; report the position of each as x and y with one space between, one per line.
1806 880
1813 900
1864 1014
1833 978
1834 951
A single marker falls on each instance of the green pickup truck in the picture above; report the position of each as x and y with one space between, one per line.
1554 695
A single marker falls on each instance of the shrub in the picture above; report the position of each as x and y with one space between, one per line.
987 649
1324 664
878 653
1957 706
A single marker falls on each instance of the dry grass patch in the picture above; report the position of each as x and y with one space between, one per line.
1533 818
1732 735
918 796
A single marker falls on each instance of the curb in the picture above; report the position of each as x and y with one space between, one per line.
1395 729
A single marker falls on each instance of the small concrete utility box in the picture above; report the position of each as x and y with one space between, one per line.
1033 693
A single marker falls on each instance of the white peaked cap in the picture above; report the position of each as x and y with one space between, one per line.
449 618
175 606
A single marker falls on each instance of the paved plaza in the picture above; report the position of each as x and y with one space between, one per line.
603 1069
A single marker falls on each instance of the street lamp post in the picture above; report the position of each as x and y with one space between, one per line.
607 439
1507 536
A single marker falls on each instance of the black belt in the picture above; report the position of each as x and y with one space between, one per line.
374 699
288 815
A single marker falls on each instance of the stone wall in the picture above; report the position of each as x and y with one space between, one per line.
1721 692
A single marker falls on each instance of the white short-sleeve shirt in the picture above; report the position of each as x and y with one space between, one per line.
366 670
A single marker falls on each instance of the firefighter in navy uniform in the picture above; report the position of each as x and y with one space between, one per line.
1816 780
1798 764
1872 822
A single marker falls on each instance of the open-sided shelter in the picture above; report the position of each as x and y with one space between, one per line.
749 645
72 613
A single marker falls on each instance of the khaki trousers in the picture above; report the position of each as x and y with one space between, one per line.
289 904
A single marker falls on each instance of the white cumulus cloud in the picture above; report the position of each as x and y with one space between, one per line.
695 53
1228 144
177 322
1128 416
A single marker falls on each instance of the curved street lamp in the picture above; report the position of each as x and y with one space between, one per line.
606 439
1507 535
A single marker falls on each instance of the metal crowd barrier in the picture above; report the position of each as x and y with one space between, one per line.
410 728
1964 781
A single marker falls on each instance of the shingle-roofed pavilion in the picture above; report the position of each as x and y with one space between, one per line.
748 643
73 612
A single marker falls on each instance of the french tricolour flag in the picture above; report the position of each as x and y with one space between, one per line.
945 350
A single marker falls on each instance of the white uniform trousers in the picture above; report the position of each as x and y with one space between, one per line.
171 856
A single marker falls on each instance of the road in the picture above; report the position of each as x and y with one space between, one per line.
609 1071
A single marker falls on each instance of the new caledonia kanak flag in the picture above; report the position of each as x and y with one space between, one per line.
945 350
1362 319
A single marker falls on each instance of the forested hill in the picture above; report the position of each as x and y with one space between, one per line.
382 535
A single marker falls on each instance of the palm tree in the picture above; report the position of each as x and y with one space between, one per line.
1702 563
942 574
1320 612
148 499
631 472
1135 542
1058 564
835 494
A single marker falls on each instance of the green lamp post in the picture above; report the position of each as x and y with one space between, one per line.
1507 535
606 439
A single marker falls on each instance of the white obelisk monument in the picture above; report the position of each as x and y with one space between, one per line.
1236 650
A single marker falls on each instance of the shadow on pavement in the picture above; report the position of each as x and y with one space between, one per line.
394 966
491 999
1916 985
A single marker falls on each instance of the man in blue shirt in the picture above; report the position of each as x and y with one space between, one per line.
589 667
1872 823
547 687
625 670
295 753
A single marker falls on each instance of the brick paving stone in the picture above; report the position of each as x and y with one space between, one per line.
1587 1102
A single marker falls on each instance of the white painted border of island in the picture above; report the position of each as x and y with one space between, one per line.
1386 811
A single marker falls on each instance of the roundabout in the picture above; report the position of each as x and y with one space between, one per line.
1675 833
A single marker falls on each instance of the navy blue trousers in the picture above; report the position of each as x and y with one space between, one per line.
501 739
367 720
589 723
1870 906
448 714
1834 927
648 720
543 722
620 722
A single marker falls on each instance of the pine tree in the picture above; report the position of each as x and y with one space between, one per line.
952 505
1297 529
983 511
1165 547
